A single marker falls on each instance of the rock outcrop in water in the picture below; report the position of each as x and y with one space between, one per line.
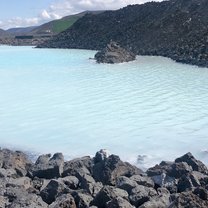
103 181
114 53
177 29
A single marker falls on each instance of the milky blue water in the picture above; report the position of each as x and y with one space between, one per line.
59 100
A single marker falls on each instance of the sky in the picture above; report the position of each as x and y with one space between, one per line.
23 13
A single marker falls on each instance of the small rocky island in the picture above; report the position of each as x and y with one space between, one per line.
103 181
114 53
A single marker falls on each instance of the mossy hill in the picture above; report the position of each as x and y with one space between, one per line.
177 29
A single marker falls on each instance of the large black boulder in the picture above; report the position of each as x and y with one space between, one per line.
108 193
114 53
193 162
15 160
108 170
47 167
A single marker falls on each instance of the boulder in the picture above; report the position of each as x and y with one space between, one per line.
15 160
179 169
47 167
88 183
187 182
64 201
201 192
189 199
53 190
3 201
108 170
193 162
71 182
23 182
174 170
125 183
201 178
143 180
38 183
114 53
160 201
82 200
77 167
20 198
141 194
106 194
3 183
101 155
8 173
165 181
118 203
162 168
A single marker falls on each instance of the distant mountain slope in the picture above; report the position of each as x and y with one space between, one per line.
20 30
37 34
3 33
50 28
57 26
177 29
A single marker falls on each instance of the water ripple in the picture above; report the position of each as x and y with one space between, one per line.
65 102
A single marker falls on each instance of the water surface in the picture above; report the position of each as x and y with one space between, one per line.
59 100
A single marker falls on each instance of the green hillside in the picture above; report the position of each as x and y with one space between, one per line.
56 26
62 24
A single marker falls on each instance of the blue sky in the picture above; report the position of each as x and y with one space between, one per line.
23 13
21 8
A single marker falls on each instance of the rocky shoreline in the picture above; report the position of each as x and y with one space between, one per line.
103 181
22 42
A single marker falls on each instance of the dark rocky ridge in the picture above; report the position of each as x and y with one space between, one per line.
103 181
177 29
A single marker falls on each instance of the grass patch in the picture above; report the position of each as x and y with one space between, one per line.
63 24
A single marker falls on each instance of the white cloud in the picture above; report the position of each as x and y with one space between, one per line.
19 22
67 7
63 7
45 15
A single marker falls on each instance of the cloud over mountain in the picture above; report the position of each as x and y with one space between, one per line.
62 8
19 22
66 7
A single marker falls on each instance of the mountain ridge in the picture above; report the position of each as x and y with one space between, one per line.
34 35
51 27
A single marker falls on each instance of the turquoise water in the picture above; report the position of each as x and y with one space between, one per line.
60 100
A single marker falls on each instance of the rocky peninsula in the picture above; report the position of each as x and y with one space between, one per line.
176 29
103 181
